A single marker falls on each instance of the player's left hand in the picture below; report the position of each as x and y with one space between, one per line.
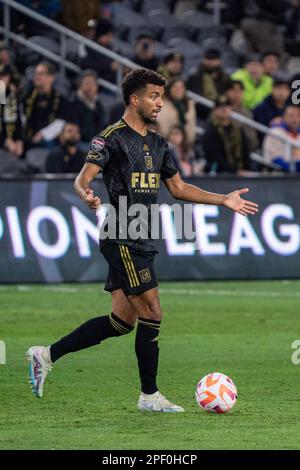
234 202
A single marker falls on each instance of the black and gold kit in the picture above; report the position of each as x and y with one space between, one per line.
42 109
10 118
132 166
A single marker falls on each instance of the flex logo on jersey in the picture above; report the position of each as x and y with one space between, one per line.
145 180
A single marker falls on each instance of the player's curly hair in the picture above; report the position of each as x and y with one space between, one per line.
137 80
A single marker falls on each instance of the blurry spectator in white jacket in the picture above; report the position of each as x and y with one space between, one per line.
276 150
178 110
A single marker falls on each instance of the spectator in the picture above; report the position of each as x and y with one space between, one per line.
271 62
257 84
90 31
6 61
275 150
181 153
77 13
274 105
234 93
11 144
68 157
224 142
86 106
172 66
45 109
178 110
209 81
260 24
145 52
104 66
292 20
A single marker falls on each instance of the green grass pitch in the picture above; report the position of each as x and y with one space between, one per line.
243 329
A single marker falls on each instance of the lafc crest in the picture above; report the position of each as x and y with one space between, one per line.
149 162
145 275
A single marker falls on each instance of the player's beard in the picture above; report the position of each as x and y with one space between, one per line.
145 118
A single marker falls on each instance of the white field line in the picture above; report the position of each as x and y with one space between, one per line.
182 292
231 293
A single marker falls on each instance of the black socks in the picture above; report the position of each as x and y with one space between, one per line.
147 351
89 334
98 329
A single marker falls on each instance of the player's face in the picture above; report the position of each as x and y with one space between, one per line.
150 102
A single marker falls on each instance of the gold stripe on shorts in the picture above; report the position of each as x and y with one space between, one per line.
125 263
131 265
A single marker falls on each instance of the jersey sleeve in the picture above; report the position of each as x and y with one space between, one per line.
168 168
100 152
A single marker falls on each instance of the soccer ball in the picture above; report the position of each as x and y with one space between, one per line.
216 393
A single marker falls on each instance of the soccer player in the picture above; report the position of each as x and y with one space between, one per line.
133 159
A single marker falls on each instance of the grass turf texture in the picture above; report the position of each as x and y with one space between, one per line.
242 329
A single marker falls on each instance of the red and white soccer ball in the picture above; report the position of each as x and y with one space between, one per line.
216 393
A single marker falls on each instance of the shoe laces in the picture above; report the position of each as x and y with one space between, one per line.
161 400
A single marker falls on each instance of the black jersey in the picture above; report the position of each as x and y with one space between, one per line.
132 166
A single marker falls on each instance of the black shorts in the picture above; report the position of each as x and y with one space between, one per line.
129 269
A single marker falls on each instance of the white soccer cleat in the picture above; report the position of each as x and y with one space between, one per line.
39 366
157 402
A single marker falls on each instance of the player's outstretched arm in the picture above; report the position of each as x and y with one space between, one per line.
187 192
82 186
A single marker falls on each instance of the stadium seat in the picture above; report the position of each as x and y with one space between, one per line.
46 43
169 23
71 49
62 85
125 19
211 42
185 46
29 73
150 5
198 19
160 49
133 4
108 102
122 47
36 158
202 25
231 59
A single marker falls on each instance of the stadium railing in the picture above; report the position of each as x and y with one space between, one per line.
122 63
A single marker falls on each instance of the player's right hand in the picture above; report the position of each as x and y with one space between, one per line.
94 202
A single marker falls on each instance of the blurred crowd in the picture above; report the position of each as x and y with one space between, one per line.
44 128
